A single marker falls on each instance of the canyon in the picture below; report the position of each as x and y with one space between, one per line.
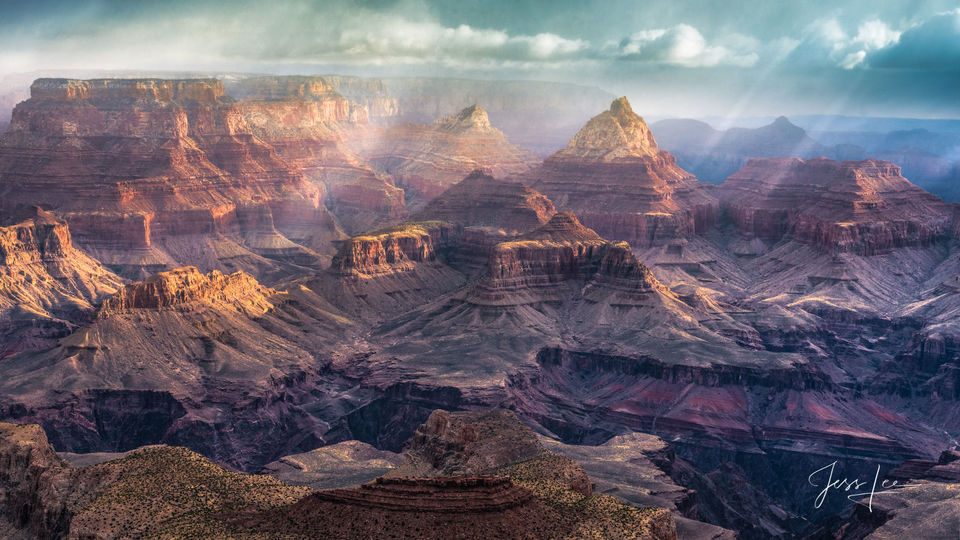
287 277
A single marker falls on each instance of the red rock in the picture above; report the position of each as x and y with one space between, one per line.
47 287
865 207
538 266
173 161
308 123
616 180
481 201
427 159
185 286
390 270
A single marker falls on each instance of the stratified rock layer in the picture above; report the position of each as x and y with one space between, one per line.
187 286
427 159
391 270
308 122
481 201
47 287
154 173
616 180
865 207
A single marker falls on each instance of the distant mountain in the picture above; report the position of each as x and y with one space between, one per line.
713 155
928 158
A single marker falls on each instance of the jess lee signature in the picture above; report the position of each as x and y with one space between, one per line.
863 498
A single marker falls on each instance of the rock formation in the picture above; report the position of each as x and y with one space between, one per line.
865 207
538 266
187 287
471 443
427 159
714 155
341 465
373 94
154 491
616 180
178 344
47 287
152 174
481 201
391 270
308 122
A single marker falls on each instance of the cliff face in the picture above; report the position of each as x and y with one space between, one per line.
308 122
47 287
864 207
145 170
186 287
427 159
539 266
616 180
373 94
391 270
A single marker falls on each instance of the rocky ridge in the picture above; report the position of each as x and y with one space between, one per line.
47 287
616 180
865 207
426 159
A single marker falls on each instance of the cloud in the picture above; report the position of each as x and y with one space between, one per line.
933 44
683 45
826 43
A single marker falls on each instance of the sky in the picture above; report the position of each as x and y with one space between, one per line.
677 57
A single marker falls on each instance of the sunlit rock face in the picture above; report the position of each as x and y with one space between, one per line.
427 159
865 207
616 180
154 173
47 287
308 123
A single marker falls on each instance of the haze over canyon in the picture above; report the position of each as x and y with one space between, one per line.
446 281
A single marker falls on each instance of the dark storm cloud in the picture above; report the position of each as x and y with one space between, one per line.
934 44
702 57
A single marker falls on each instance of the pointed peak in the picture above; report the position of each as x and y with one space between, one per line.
621 106
564 227
615 133
470 118
477 175
783 122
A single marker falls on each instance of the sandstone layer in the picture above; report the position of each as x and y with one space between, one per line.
865 207
154 173
308 123
183 344
47 287
616 180
426 159
479 200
